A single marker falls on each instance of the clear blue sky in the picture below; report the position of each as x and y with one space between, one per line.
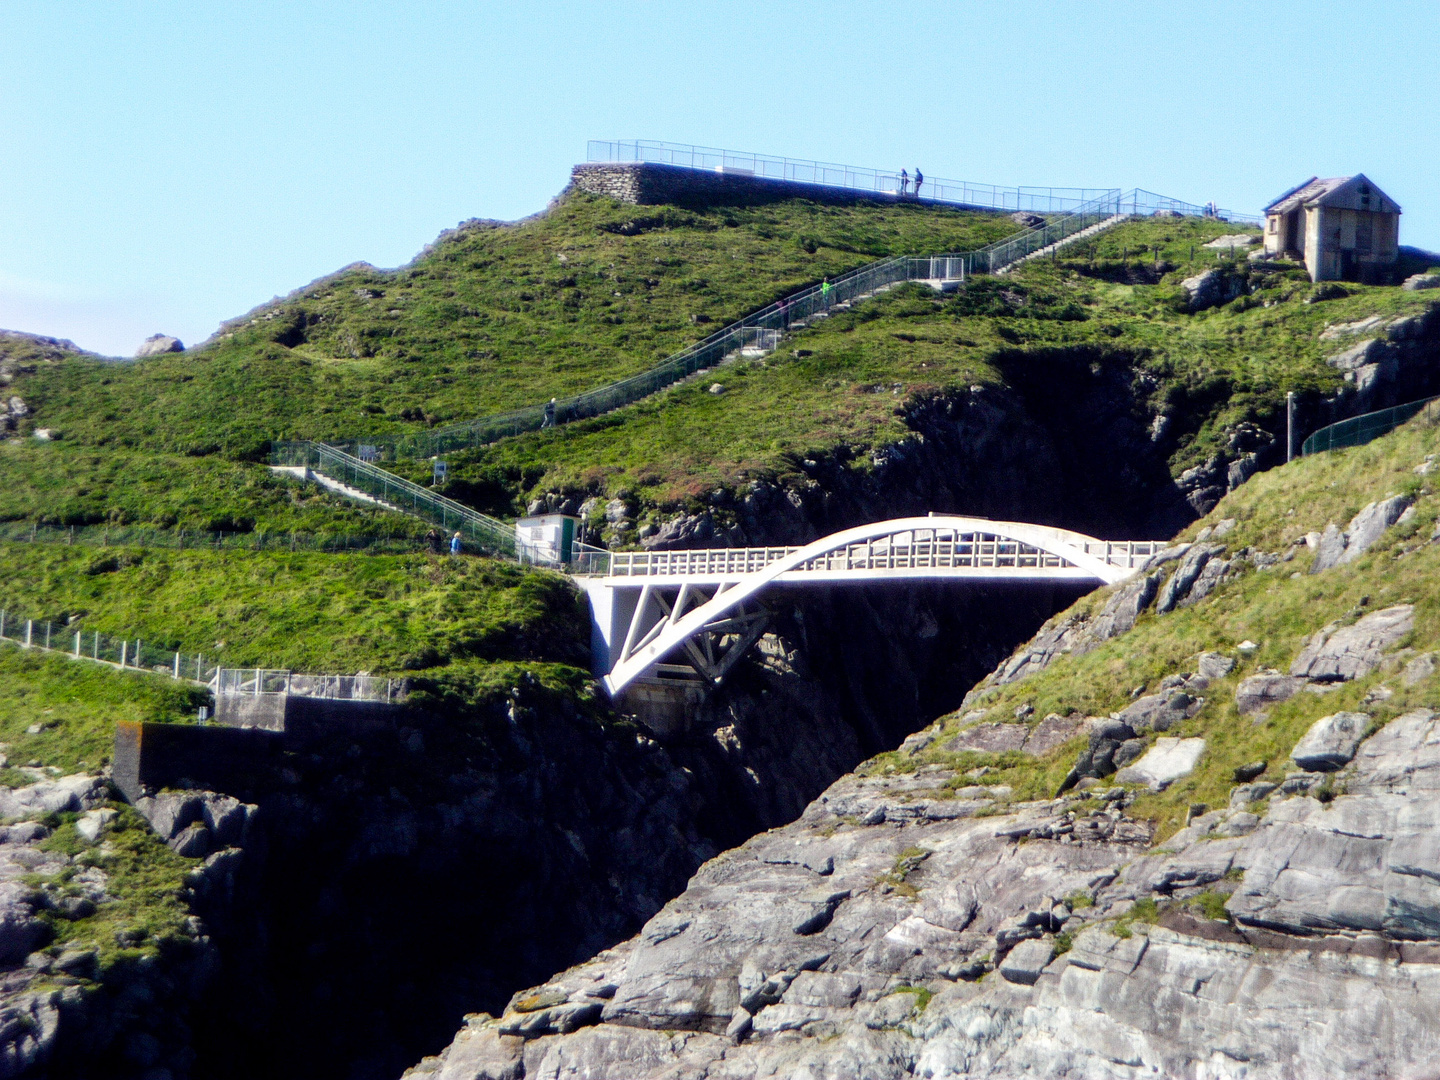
168 165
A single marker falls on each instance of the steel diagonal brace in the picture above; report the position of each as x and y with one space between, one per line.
747 628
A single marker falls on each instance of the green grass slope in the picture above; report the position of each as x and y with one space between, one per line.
487 318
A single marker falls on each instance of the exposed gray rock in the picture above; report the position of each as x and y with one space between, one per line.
1265 688
1365 528
72 793
991 738
1358 356
1234 240
1211 288
1178 587
1124 607
1024 963
91 823
1049 733
1352 652
1336 930
193 842
1165 762
1249 771
1034 740
1419 669
1204 289
158 345
1331 741
170 812
1160 712
1416 282
1214 665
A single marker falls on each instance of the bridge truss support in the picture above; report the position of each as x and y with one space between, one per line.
712 650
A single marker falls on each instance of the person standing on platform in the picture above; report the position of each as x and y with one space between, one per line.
904 182
919 179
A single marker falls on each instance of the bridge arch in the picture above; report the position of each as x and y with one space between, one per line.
937 547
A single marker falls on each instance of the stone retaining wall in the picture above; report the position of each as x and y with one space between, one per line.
647 184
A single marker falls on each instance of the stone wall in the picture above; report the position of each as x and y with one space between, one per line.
647 184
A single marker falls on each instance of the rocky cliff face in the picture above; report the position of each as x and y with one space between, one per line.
921 919
814 950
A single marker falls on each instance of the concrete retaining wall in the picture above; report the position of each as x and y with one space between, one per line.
153 756
303 720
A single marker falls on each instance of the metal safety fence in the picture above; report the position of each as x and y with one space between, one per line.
259 682
1359 430
124 654
883 182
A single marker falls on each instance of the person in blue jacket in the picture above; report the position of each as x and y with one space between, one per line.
455 544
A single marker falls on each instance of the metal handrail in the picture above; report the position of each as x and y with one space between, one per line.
885 182
490 534
125 654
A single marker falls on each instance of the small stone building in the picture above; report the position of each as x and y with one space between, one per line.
1343 229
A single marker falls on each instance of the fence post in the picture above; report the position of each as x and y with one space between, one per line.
29 624
77 644
177 665
47 634
2 622
124 648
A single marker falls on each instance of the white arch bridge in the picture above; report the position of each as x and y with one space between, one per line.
702 606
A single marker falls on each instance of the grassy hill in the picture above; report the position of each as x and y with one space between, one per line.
848 381
489 317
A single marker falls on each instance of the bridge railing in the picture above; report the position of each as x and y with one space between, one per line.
941 550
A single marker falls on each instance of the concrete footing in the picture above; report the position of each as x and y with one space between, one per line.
665 706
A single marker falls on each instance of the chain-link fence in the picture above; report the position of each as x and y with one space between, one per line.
1359 430
134 654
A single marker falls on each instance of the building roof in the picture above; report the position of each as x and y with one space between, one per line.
1337 190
